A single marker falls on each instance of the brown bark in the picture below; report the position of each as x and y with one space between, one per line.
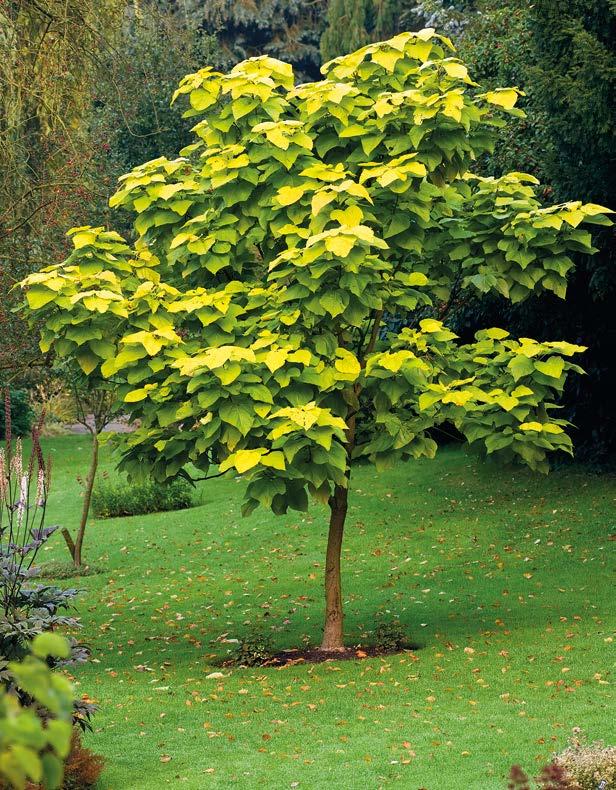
70 543
333 630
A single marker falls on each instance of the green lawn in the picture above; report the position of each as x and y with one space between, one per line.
502 577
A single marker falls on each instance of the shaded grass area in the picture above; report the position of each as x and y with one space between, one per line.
503 578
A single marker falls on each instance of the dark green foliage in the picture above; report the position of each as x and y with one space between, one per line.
562 54
349 24
574 81
497 46
131 117
112 497
353 23
254 649
22 415
390 636
386 16
286 29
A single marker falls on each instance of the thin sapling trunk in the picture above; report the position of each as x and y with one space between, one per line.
99 402
87 498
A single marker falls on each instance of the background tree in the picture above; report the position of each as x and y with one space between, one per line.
84 96
353 23
94 400
247 28
131 120
243 327
349 24
48 57
562 54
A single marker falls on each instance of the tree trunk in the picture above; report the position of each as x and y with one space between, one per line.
332 632
70 543
87 497
333 638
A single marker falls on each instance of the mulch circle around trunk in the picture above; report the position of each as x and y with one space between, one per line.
312 655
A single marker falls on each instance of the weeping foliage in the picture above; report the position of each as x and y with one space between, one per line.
49 54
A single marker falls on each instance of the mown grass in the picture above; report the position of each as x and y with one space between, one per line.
502 577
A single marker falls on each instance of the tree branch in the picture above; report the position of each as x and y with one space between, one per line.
374 335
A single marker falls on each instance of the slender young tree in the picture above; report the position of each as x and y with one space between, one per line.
94 401
246 328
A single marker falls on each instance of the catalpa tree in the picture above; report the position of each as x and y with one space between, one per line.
246 324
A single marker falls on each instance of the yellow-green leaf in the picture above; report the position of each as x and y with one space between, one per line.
503 97
87 360
286 196
340 245
275 460
83 239
347 364
38 297
430 325
247 459
552 367
454 69
136 395
387 58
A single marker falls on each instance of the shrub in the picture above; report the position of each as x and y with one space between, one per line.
552 777
28 610
83 766
21 412
588 764
390 636
25 609
581 766
254 649
113 497
35 736
67 570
